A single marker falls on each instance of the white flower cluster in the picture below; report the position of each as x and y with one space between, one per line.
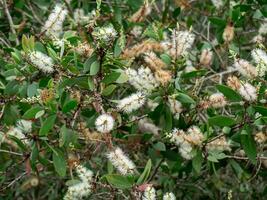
263 29
132 102
248 92
41 61
142 79
169 196
104 34
104 123
31 100
80 17
53 27
186 141
80 190
149 193
181 42
175 106
260 137
217 100
220 144
137 31
22 128
245 68
217 3
122 163
145 125
260 58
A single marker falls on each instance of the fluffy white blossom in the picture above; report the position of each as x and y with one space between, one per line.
142 79
169 196
206 57
260 58
41 61
217 3
186 141
145 125
122 163
217 100
25 125
263 29
137 31
132 102
179 44
149 193
245 68
175 106
220 144
53 27
104 123
80 190
80 17
104 34
18 133
248 92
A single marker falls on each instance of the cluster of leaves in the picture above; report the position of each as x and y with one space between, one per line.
81 87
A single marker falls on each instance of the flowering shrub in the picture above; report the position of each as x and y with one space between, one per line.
131 99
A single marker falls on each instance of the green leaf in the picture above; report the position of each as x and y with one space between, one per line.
184 98
217 21
195 73
110 78
47 125
197 162
87 64
70 105
249 145
24 43
31 113
59 162
229 93
144 176
67 136
260 109
119 181
221 121
94 68
108 90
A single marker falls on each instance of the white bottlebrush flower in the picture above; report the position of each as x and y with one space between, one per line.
194 136
149 193
18 133
185 150
24 125
53 27
80 17
146 125
169 196
217 100
206 57
142 79
248 92
104 34
263 29
260 58
122 163
41 61
137 31
245 68
132 102
84 188
258 39
175 106
104 123
220 144
182 41
217 3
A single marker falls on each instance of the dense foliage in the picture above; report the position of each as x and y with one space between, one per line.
132 99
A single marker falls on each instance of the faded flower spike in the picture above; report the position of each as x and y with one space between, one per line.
245 68
149 194
169 196
54 25
248 92
104 123
41 61
260 58
132 102
122 163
